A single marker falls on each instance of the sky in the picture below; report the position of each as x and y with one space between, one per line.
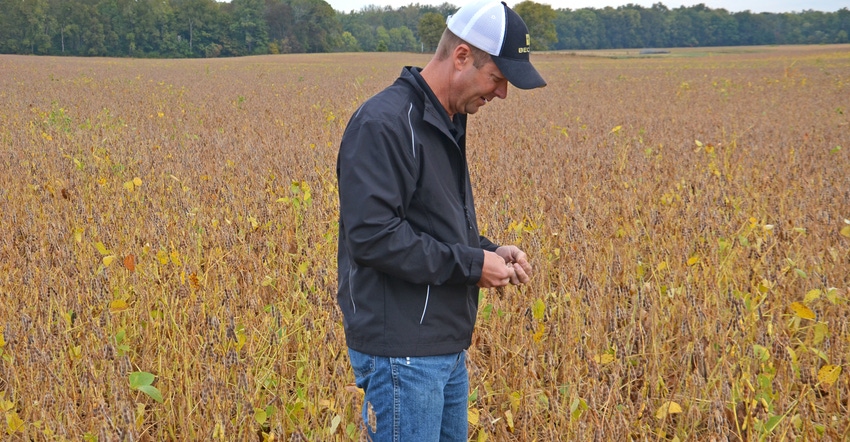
729 5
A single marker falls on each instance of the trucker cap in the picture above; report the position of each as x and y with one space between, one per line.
493 27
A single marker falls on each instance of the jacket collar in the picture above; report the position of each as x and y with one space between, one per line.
435 114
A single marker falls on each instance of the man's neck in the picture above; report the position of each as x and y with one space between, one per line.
435 74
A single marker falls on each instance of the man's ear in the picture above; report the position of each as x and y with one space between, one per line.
461 56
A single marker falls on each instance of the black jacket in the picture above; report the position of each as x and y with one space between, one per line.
410 254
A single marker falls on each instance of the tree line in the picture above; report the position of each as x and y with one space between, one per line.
207 28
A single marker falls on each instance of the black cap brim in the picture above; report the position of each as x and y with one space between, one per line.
519 73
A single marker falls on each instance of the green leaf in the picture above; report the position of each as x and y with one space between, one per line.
474 395
120 335
762 353
140 379
771 423
832 295
486 311
821 331
151 391
260 415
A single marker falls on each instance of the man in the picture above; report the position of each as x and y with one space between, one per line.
410 256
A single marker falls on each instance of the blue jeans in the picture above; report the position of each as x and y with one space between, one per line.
415 399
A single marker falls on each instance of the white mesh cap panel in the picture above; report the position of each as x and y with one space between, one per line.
480 23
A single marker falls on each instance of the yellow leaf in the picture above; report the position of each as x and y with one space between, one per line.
101 248
802 311
538 309
78 235
140 414
698 143
811 296
2 340
845 231
267 281
129 186
175 258
616 129
668 407
828 374
662 266
14 423
693 260
472 416
241 339
509 418
515 398
107 260
538 335
137 182
118 305
605 358
162 257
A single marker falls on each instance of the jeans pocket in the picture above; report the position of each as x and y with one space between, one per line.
362 364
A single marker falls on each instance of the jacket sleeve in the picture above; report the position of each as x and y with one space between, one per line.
488 245
377 174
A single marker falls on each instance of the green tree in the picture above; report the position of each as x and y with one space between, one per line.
193 17
364 34
431 26
315 27
622 26
248 28
349 43
590 31
25 26
383 39
540 20
402 39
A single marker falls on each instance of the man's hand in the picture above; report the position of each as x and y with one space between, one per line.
496 272
508 265
517 259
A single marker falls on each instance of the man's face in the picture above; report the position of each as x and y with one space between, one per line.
476 87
